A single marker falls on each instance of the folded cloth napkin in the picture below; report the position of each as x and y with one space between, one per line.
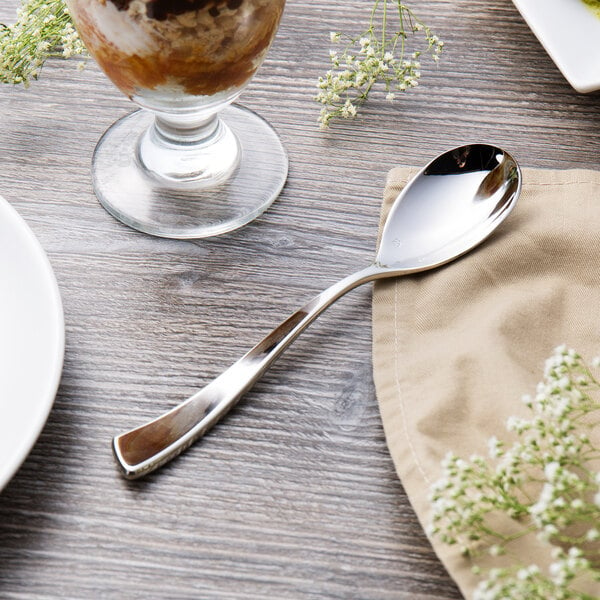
455 349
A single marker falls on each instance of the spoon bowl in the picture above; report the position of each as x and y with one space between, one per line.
448 208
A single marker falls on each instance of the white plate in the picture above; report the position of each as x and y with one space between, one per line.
570 33
31 340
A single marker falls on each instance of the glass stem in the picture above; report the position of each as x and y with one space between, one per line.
187 149
180 131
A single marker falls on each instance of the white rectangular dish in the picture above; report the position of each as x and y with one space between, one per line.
570 32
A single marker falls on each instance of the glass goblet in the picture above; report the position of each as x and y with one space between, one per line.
189 164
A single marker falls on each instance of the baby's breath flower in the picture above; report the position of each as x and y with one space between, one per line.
495 447
43 30
374 57
551 470
547 482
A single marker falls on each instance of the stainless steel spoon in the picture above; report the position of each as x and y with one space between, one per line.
448 208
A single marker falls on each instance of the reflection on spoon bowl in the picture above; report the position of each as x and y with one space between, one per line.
449 207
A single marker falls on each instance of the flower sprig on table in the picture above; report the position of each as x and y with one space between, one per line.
380 54
43 30
546 484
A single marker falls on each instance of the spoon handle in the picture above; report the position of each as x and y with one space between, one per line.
150 446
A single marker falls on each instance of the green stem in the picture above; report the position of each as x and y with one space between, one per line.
373 13
383 25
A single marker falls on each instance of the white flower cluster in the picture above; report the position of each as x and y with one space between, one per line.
43 29
529 583
373 58
547 481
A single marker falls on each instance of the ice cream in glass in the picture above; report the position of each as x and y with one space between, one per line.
190 164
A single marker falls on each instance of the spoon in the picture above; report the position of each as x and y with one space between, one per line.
448 208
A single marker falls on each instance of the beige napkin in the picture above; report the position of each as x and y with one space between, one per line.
455 349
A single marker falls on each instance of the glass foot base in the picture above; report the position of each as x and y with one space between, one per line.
150 204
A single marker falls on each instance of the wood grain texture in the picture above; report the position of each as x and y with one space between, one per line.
294 495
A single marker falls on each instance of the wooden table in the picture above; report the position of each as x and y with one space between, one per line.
294 495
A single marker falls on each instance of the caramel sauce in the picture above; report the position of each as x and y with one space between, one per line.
188 63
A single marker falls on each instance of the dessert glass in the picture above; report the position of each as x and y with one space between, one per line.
189 164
